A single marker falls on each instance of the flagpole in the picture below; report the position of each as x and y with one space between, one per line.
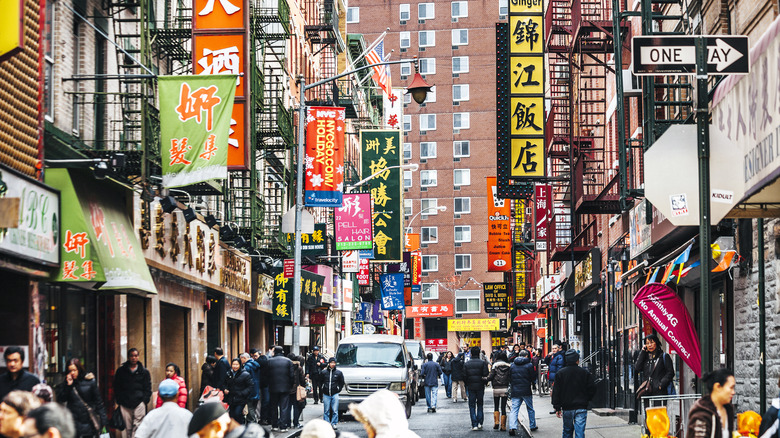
365 52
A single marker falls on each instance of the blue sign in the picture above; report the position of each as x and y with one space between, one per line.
366 253
392 286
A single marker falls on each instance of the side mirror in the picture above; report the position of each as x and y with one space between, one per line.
408 364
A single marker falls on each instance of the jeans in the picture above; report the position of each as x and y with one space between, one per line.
431 396
574 423
331 408
297 409
265 405
237 412
459 384
251 416
280 410
529 405
446 379
475 406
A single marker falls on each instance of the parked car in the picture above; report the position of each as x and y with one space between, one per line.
371 363
417 351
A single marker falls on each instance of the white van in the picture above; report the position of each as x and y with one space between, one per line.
373 362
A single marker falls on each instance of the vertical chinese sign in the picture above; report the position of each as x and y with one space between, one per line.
499 244
282 302
520 281
381 150
220 46
324 156
195 116
394 108
354 223
542 215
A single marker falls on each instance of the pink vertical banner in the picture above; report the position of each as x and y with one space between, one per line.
354 226
542 215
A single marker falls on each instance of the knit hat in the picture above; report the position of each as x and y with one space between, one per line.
332 359
571 357
168 388
318 428
204 415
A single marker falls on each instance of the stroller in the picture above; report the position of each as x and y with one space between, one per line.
211 395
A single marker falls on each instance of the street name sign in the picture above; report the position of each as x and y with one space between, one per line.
662 55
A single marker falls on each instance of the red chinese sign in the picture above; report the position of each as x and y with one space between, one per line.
543 215
437 345
433 310
364 276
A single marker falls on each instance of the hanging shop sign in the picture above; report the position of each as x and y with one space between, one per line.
393 106
264 299
367 254
411 241
312 245
317 318
337 300
350 261
499 244
521 286
348 291
98 244
354 222
195 114
364 275
587 273
12 21
416 269
324 185
33 228
403 268
312 290
639 230
472 325
437 345
382 149
496 297
392 286
327 286
282 301
433 310
542 215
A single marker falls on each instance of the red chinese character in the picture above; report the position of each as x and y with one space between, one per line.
68 270
178 149
88 274
210 148
98 220
393 120
392 98
76 243
193 105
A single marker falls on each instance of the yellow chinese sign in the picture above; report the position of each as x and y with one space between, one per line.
382 157
472 325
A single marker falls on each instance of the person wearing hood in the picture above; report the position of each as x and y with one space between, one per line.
431 372
573 390
522 376
499 375
80 393
458 378
239 386
332 383
383 416
476 372
132 391
713 414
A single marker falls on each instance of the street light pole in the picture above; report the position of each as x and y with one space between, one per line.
439 208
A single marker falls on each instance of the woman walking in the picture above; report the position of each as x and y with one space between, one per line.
446 369
80 393
239 386
713 414
299 379
499 375
173 372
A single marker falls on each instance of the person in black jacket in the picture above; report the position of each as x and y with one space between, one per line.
655 366
314 364
207 373
265 395
16 378
522 377
458 378
299 379
332 384
573 390
132 391
499 375
281 375
79 392
238 390
476 372
221 369
446 369
770 422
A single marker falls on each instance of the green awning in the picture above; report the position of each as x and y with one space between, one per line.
99 247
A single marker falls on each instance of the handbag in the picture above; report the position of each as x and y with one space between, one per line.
301 393
93 417
643 390
117 421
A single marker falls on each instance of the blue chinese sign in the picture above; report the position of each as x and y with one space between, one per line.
392 286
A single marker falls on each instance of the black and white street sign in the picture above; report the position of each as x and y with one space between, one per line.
662 55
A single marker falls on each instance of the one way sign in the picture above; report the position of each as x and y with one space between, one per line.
662 55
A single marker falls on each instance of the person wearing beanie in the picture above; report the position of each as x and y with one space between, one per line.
332 383
574 388
169 420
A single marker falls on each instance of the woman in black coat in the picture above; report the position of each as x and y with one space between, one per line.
207 373
655 366
298 380
239 386
80 393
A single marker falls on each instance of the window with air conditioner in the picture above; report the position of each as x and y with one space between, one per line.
406 69
428 206
353 15
460 9
460 64
405 41
425 11
427 66
460 92
462 233
426 38
405 12
430 263
461 177
408 126
460 37
428 178
427 122
407 179
461 148
429 234
462 206
407 146
462 262
408 98
427 150
467 301
430 291
461 121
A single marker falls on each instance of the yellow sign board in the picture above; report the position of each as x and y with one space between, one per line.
527 157
11 23
525 7
527 115
472 325
525 34
527 74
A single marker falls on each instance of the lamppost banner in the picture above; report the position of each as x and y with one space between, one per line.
354 223
382 149
324 156
195 114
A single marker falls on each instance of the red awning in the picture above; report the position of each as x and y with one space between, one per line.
527 318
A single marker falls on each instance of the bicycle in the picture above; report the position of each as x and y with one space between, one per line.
543 385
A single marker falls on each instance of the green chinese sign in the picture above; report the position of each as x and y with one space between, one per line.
311 294
381 150
313 244
195 117
311 289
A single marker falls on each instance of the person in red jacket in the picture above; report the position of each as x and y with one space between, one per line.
173 372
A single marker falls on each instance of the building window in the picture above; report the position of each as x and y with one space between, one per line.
48 56
428 178
353 15
430 291
461 148
406 69
462 233
407 179
407 128
461 177
407 151
429 234
430 263
428 206
461 121
460 64
462 205
430 97
425 11
460 92
427 66
462 262
406 15
427 150
405 43
408 98
460 37
408 206
427 122
460 9
467 301
426 38
503 8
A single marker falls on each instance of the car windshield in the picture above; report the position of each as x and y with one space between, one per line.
370 355
416 349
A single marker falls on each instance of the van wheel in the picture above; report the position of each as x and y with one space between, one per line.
408 407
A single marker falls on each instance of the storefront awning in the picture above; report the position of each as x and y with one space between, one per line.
99 248
526 318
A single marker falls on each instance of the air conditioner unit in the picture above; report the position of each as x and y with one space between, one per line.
632 84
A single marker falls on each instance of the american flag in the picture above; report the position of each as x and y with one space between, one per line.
381 72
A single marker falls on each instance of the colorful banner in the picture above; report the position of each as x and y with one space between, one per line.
411 242
667 313
353 222
520 238
472 325
416 269
499 244
382 149
542 215
496 297
433 310
313 244
364 275
324 156
392 286
195 114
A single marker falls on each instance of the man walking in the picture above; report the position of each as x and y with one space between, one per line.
132 391
476 372
220 369
314 364
169 420
458 377
281 375
332 384
574 387
16 379
431 372
254 397
522 376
